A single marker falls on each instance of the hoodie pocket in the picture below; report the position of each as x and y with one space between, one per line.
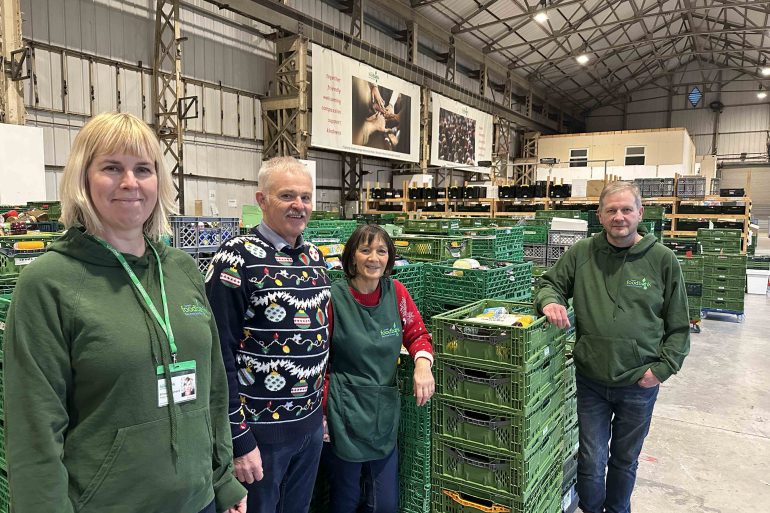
140 459
606 359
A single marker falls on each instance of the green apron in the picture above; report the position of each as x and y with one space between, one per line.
363 405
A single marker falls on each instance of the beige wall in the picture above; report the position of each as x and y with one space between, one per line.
664 147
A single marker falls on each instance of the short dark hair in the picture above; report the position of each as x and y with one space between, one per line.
366 234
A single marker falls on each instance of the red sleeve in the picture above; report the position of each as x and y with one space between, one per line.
416 336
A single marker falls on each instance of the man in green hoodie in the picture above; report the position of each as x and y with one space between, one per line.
633 333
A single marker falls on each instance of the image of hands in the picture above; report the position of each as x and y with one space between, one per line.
381 117
456 138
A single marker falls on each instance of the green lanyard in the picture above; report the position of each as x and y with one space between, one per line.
165 322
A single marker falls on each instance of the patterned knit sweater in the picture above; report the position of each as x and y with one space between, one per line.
271 312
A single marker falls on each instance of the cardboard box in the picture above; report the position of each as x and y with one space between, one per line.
594 188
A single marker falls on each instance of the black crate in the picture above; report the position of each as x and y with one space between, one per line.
699 209
560 191
525 191
694 289
733 209
690 226
456 192
730 193
731 225
475 192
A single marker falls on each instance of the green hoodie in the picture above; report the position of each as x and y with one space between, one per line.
83 428
630 308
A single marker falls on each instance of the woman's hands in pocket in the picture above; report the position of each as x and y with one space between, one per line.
424 385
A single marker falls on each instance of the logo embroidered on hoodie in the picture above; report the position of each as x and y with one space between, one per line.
639 284
196 309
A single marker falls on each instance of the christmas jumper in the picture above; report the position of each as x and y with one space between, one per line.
271 311
84 431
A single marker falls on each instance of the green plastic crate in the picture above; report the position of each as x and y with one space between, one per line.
694 312
432 249
494 472
550 214
693 262
533 233
718 271
654 212
432 226
457 335
721 246
502 280
722 294
502 242
541 495
723 305
718 233
484 385
733 260
507 434
724 282
571 439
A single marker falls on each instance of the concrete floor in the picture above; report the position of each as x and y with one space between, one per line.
708 450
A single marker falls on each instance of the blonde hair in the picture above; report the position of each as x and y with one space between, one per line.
279 165
620 186
106 134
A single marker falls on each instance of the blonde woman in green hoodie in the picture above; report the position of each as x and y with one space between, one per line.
103 331
633 333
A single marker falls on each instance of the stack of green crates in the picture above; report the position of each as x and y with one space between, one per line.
692 271
5 303
504 243
448 287
498 417
571 437
724 282
720 240
414 444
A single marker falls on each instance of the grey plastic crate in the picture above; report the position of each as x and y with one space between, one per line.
691 187
535 252
203 233
565 237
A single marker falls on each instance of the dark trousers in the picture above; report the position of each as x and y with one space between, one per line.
377 480
613 422
211 508
290 470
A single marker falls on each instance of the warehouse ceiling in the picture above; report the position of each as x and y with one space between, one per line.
628 44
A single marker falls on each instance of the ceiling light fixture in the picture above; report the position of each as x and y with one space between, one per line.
765 71
541 17
762 94
582 59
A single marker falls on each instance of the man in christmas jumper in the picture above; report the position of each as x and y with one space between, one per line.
269 293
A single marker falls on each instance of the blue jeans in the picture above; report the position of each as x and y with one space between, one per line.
290 470
613 422
379 479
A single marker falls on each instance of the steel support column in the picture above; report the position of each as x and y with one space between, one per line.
412 41
425 131
483 74
352 174
168 90
285 111
525 168
12 108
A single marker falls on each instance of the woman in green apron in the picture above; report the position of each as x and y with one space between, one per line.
373 315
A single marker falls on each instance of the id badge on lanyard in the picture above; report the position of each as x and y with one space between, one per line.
183 375
184 386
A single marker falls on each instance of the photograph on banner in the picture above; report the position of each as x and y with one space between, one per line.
360 109
461 135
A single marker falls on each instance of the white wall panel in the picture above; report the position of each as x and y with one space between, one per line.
746 118
130 92
48 72
105 88
230 114
246 120
212 122
78 85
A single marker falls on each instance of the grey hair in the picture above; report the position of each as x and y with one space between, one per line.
620 186
279 165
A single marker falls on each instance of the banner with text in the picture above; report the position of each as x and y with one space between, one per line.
461 136
360 109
